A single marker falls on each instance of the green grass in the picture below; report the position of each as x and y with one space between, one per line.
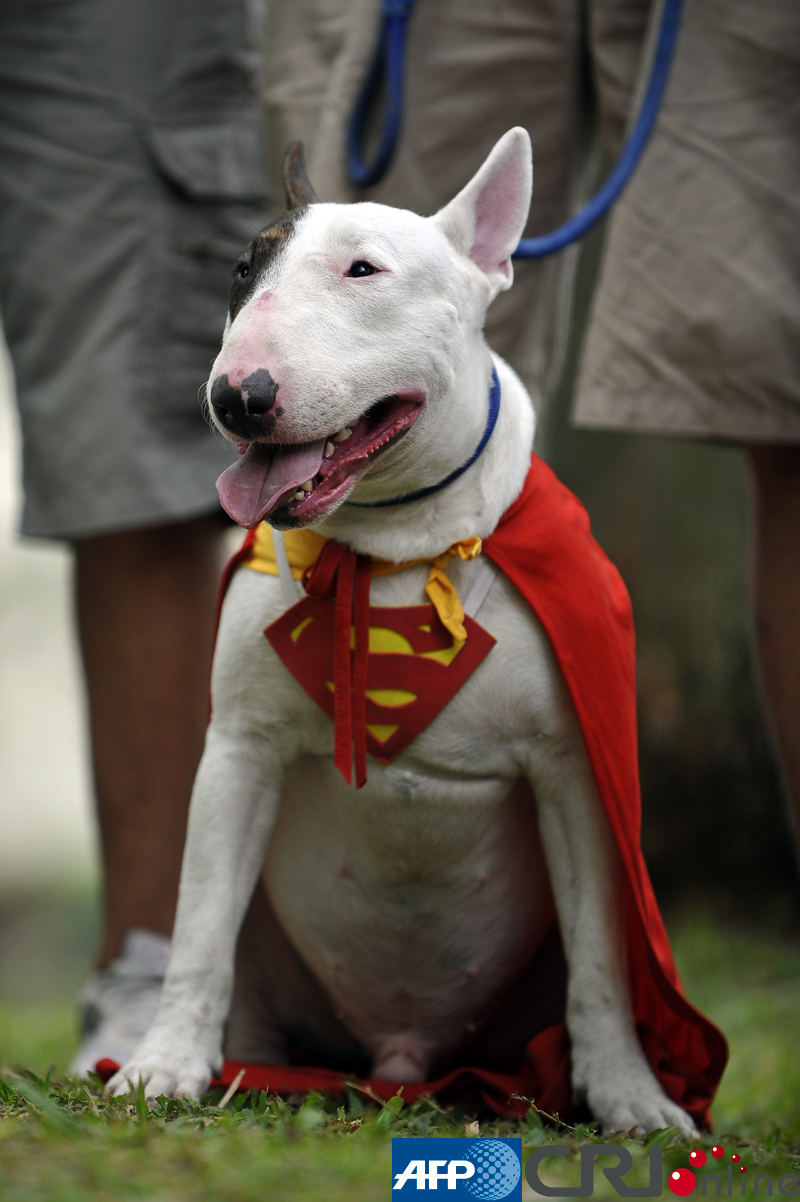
63 1142
748 982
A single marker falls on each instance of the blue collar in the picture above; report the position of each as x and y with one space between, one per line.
491 422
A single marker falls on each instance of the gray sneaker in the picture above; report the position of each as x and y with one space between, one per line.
118 1003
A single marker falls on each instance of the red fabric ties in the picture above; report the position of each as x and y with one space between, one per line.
339 572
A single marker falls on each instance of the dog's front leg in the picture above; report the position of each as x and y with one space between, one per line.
233 808
609 1069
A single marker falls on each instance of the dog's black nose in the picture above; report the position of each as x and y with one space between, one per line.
243 410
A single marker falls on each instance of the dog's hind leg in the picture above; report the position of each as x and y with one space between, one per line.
279 1004
252 1032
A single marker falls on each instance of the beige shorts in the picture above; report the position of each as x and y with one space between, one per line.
474 69
696 321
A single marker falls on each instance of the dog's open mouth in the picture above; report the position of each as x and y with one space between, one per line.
305 481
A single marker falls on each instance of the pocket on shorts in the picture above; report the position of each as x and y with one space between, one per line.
210 200
220 160
219 164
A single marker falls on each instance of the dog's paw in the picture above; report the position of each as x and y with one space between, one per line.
177 1074
632 1099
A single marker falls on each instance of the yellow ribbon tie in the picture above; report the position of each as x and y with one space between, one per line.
443 593
303 547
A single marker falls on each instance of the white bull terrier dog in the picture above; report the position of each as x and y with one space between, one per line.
354 369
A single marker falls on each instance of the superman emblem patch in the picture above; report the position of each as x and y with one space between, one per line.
415 665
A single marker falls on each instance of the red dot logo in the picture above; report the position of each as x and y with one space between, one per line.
717 1151
681 1182
742 1168
736 1158
697 1157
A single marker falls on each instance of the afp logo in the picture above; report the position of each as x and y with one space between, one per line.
484 1169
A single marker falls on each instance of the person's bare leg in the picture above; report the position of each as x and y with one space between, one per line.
145 610
776 603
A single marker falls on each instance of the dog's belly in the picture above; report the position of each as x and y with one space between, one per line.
415 901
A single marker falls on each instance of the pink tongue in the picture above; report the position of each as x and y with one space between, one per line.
252 487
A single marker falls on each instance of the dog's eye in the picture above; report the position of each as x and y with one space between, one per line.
242 270
361 268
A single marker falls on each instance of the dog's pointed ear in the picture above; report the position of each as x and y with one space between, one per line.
485 221
299 191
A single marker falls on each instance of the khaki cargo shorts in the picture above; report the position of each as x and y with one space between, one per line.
131 176
695 325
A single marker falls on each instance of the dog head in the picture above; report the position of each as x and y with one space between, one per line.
349 326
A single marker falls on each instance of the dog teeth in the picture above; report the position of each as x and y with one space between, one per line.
343 434
329 449
298 496
309 484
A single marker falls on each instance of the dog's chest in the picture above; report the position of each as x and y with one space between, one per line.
416 897
511 691
515 696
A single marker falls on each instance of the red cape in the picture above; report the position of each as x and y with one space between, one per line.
544 545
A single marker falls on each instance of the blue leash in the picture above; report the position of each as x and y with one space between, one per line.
388 65
491 422
601 202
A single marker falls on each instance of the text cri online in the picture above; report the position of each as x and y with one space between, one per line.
711 1184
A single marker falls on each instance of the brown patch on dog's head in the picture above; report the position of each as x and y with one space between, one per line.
299 191
262 251
269 244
